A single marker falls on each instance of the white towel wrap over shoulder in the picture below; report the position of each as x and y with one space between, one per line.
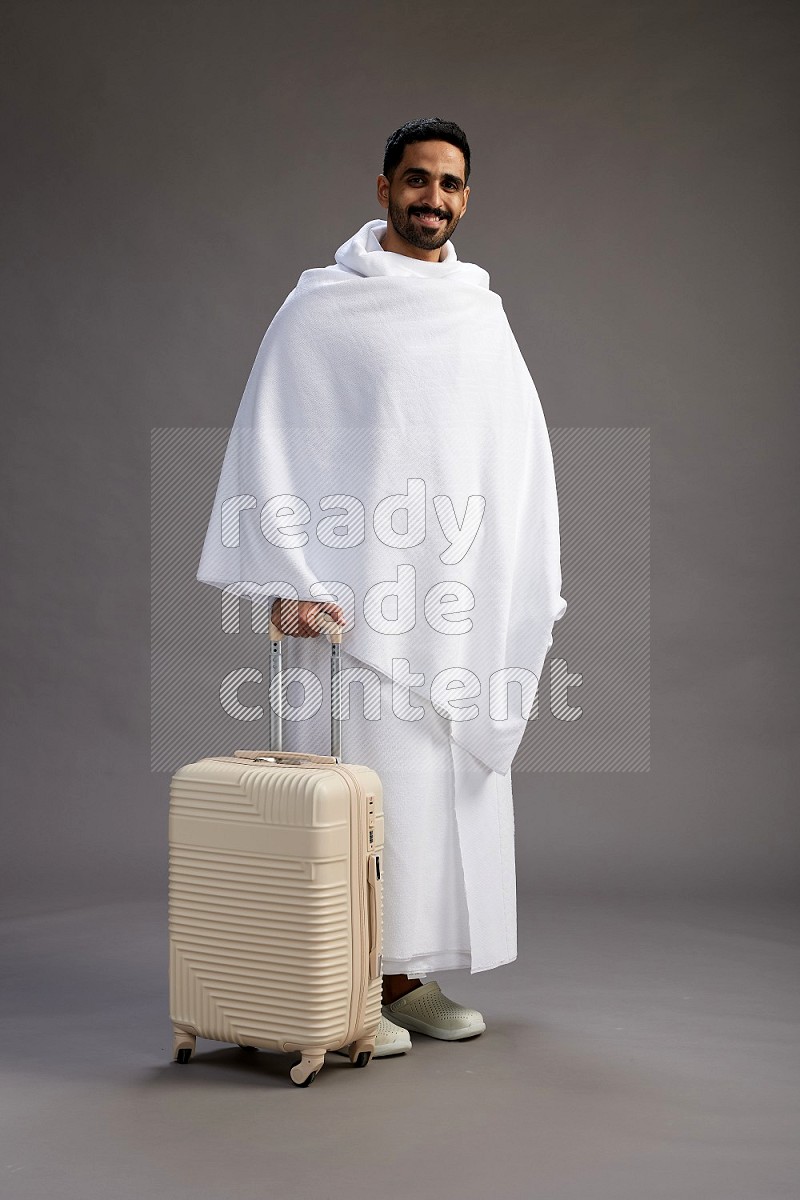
390 434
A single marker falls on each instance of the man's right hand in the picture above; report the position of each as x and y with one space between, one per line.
297 618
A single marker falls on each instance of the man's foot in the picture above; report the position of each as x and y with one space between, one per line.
427 1010
391 1039
395 986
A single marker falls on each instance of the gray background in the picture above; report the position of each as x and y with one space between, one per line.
171 169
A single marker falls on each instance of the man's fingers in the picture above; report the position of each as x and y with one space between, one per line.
302 618
335 611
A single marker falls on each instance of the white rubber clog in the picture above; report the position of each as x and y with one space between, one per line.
391 1039
427 1010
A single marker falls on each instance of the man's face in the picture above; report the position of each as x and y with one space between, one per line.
427 196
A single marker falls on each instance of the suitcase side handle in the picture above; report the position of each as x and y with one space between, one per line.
375 916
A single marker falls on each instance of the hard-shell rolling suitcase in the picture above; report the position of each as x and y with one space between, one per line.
275 896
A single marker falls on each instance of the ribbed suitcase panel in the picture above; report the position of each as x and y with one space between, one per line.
252 795
262 908
372 1008
258 958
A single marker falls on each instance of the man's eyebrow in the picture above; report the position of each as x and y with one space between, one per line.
421 171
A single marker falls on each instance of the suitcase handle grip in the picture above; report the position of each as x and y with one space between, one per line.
326 623
290 756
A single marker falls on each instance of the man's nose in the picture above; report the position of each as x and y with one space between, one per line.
433 196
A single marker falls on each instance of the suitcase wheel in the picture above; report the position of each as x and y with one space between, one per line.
306 1070
183 1044
361 1051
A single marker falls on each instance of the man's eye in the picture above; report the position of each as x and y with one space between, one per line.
419 179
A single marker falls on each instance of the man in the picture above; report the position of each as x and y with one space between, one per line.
390 383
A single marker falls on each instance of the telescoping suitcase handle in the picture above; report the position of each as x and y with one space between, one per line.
332 629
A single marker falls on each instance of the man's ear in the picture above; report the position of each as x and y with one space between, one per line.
383 186
466 197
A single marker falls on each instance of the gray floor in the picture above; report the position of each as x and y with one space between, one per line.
634 1050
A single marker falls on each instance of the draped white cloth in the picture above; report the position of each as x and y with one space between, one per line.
390 453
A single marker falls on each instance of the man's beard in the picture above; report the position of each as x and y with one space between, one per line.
416 234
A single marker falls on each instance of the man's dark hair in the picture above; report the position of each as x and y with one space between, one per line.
427 129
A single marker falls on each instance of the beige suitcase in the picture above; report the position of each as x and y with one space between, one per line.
275 896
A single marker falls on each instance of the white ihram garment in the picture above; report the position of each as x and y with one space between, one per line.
437 799
387 385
